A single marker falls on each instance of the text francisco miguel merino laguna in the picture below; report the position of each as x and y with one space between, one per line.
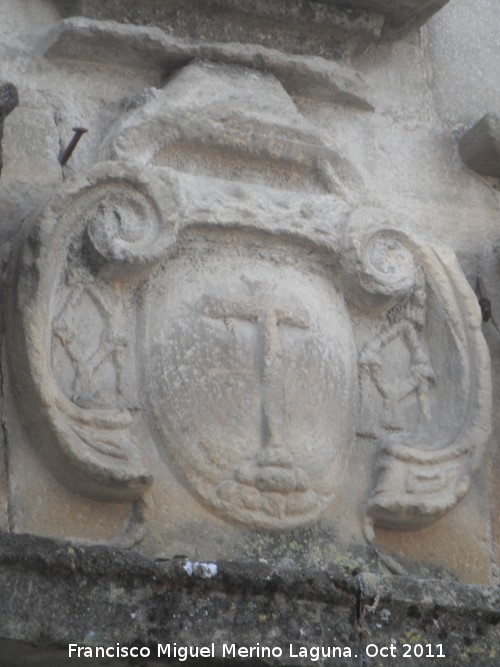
182 653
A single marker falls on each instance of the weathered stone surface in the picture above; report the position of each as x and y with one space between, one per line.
101 597
237 328
400 16
327 28
8 99
230 387
145 47
8 102
33 139
480 146
464 88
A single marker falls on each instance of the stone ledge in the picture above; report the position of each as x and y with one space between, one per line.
151 48
328 28
101 596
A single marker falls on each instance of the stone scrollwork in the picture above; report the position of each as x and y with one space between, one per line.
67 330
422 471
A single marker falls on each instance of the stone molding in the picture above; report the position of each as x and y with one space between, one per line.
95 590
153 49
329 28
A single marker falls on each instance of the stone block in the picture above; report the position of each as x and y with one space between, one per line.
480 146
149 48
110 598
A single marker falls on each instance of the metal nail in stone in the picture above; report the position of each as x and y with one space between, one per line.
68 151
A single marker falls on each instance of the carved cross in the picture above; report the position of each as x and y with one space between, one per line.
268 318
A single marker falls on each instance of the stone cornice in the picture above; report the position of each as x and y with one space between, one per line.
330 28
101 595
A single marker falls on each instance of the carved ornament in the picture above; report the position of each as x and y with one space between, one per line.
211 283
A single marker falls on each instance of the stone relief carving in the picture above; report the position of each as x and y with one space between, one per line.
72 324
251 317
251 384
423 470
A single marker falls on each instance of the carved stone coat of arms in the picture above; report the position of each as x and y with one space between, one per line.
215 302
